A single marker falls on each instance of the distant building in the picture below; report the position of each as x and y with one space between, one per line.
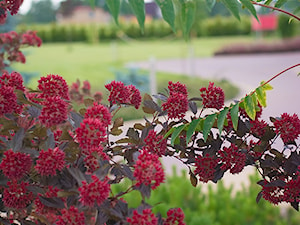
84 15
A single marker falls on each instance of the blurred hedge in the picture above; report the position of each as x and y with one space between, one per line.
216 206
154 29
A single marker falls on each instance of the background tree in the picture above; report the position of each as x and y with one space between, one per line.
41 12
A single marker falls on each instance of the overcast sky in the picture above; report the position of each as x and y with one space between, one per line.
27 3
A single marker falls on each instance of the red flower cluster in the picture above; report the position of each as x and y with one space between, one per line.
14 80
11 42
272 193
86 87
146 218
99 111
292 190
177 102
177 87
8 99
91 133
15 165
232 159
258 127
16 195
148 170
49 161
213 97
121 94
71 216
53 85
48 212
95 192
30 38
288 126
156 144
205 167
54 112
174 217
9 5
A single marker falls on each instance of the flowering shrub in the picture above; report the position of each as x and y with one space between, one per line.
58 163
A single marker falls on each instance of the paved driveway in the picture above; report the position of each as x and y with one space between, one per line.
247 71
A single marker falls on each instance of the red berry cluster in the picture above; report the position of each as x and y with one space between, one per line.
148 170
99 111
212 97
91 133
121 94
9 5
146 217
15 165
49 161
16 195
232 159
8 99
205 167
94 192
177 102
11 42
156 144
288 126
71 216
174 217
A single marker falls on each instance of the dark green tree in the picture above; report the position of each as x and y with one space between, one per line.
41 12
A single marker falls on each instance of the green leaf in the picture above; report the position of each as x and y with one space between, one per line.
208 124
266 87
191 129
234 113
176 133
261 96
114 8
250 107
233 6
169 132
138 7
168 12
280 3
188 12
210 4
268 2
221 119
250 7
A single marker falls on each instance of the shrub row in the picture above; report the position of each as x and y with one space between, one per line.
216 206
154 29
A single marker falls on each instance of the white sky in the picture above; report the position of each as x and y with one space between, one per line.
27 3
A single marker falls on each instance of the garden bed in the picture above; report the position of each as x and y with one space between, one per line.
259 47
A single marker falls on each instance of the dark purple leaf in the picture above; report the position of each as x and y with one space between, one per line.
195 99
75 119
145 190
17 141
258 197
52 202
101 218
152 105
295 205
193 107
34 111
132 134
161 97
77 174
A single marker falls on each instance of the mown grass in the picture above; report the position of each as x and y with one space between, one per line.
97 62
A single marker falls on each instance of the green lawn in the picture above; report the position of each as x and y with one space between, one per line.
95 62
